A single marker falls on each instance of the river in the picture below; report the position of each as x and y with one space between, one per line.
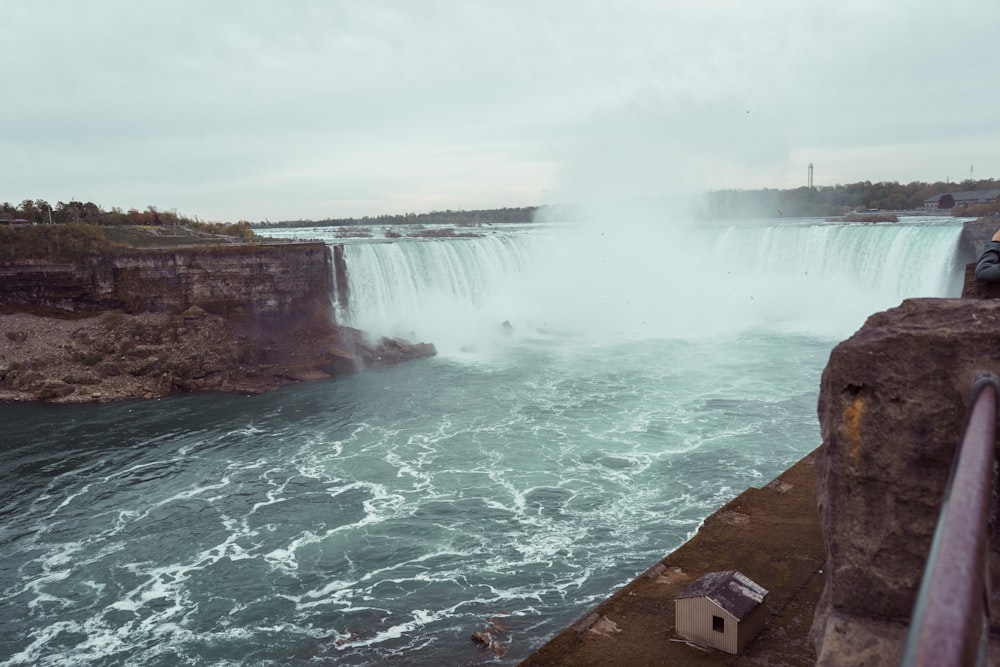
598 391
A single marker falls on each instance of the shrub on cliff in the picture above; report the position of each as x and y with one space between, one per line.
240 230
978 211
76 240
61 242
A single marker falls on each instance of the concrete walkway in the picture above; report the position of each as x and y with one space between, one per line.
771 535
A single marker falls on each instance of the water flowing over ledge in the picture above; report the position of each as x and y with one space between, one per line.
635 282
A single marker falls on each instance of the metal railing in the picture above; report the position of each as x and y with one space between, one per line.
950 624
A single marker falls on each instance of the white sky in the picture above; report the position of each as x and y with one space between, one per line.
331 108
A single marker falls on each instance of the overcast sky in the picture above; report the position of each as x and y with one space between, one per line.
331 108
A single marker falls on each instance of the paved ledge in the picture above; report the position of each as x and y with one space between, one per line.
770 534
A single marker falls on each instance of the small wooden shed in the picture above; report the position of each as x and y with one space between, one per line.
724 610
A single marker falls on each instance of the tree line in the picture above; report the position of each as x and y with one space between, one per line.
832 200
39 211
820 201
459 218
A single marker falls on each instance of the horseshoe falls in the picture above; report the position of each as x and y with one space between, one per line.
617 284
599 390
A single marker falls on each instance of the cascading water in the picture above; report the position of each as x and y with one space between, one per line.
816 277
454 289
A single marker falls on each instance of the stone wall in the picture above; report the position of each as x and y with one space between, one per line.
891 405
271 282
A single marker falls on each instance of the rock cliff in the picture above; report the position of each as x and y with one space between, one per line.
891 405
155 322
237 281
974 234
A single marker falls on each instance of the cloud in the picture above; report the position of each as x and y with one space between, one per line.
331 108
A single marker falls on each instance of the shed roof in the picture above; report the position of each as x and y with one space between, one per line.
731 590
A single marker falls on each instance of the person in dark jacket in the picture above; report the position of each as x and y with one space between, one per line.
988 264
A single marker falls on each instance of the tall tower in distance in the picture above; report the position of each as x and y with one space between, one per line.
810 175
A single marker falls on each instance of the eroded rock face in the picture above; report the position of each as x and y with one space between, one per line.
974 234
892 400
255 281
245 318
115 355
975 289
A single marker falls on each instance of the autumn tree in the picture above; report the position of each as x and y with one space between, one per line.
28 210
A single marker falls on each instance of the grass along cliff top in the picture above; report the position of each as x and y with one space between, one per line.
75 239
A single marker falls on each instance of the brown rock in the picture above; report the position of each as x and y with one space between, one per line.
50 389
733 518
892 400
149 323
672 575
976 289
194 313
355 351
120 355
604 627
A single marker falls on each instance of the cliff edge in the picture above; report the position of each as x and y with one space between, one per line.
153 322
891 404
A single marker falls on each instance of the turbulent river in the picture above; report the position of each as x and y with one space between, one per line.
598 391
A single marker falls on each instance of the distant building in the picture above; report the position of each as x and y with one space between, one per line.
960 199
724 610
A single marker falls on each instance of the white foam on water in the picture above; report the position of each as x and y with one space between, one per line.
284 558
418 618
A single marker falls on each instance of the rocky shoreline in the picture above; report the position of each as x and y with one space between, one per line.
62 358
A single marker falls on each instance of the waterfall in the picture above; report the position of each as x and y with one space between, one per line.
815 277
898 260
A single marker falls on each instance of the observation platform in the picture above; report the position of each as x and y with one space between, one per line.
770 534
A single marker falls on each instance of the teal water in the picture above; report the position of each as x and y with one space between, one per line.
522 475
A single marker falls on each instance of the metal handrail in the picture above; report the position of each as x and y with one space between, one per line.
950 624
